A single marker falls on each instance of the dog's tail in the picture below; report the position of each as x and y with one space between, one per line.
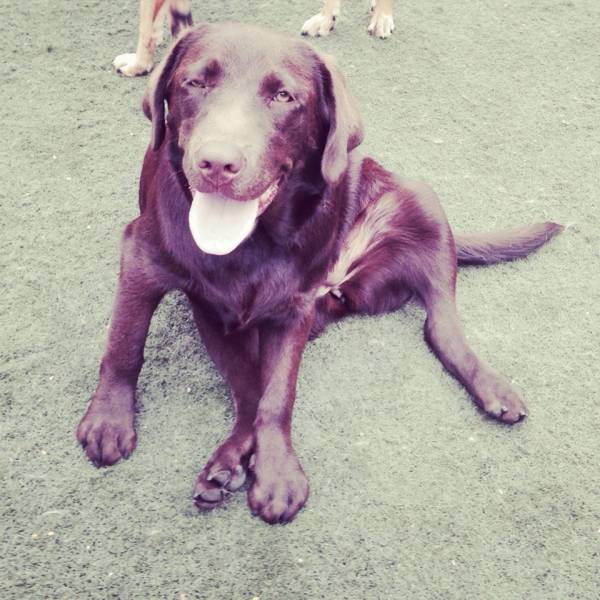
500 246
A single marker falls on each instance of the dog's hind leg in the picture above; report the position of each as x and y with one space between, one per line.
236 356
443 331
365 279
428 266
150 33
431 267
400 246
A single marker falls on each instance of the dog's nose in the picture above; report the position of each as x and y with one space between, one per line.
220 161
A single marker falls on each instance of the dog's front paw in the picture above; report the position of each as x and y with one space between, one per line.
501 401
106 437
225 472
280 487
129 65
318 26
382 24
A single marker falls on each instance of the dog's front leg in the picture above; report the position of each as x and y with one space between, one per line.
323 22
106 431
382 21
236 357
280 487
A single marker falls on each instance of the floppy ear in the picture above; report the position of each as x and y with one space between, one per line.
345 124
153 103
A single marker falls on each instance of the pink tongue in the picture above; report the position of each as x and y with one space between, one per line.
218 224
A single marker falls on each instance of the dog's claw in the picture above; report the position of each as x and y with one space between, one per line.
224 473
217 487
232 481
221 477
209 498
238 478
106 437
210 495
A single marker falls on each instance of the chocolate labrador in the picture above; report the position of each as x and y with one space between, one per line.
255 202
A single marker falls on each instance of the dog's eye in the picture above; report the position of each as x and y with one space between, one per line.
283 96
195 83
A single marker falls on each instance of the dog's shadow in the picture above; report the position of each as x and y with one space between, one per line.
179 382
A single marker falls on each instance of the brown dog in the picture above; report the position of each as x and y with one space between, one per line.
256 204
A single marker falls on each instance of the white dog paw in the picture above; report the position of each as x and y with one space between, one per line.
382 25
318 26
127 64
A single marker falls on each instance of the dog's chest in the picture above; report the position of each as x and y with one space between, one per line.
242 297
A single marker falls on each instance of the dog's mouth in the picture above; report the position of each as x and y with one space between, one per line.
220 224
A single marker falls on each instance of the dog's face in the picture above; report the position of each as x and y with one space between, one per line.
247 107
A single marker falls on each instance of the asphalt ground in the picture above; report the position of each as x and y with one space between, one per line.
414 493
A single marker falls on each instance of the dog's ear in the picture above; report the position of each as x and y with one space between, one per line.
345 125
155 96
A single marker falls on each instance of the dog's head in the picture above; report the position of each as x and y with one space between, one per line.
247 108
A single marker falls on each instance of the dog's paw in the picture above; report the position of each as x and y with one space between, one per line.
224 473
128 65
106 437
382 24
502 402
318 26
280 487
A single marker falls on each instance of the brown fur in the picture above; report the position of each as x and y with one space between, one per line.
343 235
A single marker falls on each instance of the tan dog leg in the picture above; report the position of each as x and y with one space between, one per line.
322 23
382 21
151 21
